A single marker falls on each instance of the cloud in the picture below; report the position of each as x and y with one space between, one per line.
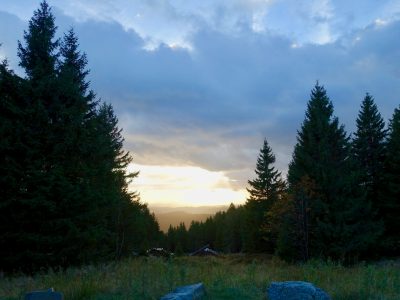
175 23
238 90
235 77
22 9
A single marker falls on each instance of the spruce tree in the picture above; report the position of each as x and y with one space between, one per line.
328 204
390 207
123 215
264 190
72 72
368 149
58 195
120 221
42 112
64 180
39 57
13 154
75 156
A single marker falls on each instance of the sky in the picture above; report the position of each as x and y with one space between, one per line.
198 85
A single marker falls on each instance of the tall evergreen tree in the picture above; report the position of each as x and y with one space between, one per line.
368 148
12 166
268 182
39 57
324 187
390 207
121 208
79 208
42 173
264 190
73 73
64 168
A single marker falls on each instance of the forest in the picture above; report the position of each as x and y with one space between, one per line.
64 186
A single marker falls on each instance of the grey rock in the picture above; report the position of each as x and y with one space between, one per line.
187 292
295 290
49 294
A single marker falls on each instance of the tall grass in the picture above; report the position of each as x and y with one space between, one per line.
230 277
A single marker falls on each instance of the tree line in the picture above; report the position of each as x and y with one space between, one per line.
341 199
63 184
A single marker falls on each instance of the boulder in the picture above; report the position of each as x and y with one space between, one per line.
187 292
49 294
295 290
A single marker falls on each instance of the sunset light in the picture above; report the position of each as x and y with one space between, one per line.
185 186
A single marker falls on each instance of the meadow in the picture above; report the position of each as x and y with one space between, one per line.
228 277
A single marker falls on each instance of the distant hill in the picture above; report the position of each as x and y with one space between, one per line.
167 216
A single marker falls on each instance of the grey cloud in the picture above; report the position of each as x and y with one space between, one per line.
213 107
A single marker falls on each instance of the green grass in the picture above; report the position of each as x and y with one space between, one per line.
230 277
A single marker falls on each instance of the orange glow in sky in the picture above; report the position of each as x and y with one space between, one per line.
185 186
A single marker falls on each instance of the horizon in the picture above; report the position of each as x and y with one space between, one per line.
198 86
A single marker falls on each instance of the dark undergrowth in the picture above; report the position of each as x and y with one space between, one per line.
228 277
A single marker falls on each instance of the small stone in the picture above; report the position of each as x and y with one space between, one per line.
295 290
49 294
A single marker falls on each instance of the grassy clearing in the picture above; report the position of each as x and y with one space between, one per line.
230 277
